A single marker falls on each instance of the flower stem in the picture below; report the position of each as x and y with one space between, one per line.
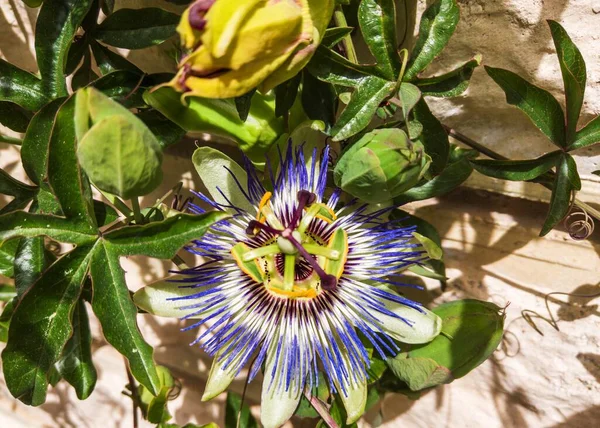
10 140
340 21
137 213
321 409
134 395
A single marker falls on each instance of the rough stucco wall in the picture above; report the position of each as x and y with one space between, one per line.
490 241
513 34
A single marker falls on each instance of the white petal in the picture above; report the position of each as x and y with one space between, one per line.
277 404
154 298
218 379
425 325
212 165
355 402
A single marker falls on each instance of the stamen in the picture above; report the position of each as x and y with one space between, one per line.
318 250
260 252
328 282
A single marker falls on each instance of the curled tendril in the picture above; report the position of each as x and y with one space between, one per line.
529 314
579 225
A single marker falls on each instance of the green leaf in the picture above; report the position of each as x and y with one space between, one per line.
123 86
220 117
7 258
84 74
7 292
166 132
335 35
120 159
30 261
33 3
362 106
562 189
14 116
55 29
13 187
426 229
21 87
457 153
40 326
90 21
7 312
20 223
137 28
434 251
104 214
333 68
454 175
68 183
161 239
420 373
155 408
433 137
243 104
114 308
409 96
78 48
377 19
75 364
573 174
573 71
471 331
437 26
538 104
450 84
107 6
236 415
318 100
108 61
285 95
588 135
34 150
517 170
119 153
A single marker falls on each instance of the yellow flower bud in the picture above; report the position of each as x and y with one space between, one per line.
237 45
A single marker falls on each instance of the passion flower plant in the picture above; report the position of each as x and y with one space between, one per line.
297 280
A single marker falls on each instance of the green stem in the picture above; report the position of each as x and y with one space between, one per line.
320 408
340 21
10 140
137 213
179 262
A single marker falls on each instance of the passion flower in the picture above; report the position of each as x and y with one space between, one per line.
296 281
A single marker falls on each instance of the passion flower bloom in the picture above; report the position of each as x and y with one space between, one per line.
236 45
296 281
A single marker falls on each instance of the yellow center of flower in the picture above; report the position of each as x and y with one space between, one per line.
295 262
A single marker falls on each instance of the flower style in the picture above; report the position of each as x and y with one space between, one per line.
297 281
